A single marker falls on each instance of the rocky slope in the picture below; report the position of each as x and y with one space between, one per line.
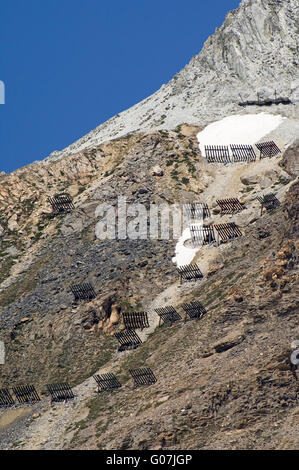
35 291
224 381
254 54
206 368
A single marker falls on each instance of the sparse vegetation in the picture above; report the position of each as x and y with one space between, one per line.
23 286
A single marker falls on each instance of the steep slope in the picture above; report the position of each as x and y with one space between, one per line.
254 54
224 381
204 369
49 334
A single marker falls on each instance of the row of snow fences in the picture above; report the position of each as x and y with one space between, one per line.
200 210
128 339
27 394
267 101
193 310
61 392
205 235
141 377
61 204
239 153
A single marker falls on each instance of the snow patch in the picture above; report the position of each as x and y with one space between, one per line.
183 254
245 129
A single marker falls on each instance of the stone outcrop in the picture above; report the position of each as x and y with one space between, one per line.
290 161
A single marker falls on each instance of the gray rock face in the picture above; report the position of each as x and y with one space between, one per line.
290 162
254 54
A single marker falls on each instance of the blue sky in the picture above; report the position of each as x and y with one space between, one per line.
69 65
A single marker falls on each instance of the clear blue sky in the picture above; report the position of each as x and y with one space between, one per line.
69 65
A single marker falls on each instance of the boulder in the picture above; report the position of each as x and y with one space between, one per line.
12 251
157 171
256 175
208 222
12 223
214 267
289 161
265 183
73 190
114 317
249 179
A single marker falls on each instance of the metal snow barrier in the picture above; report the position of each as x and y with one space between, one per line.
268 101
243 153
217 154
84 291
168 314
106 382
26 394
197 210
202 235
60 391
189 272
127 339
144 376
268 149
6 399
61 204
269 201
135 320
194 310
228 231
230 206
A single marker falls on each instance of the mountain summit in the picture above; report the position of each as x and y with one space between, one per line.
253 56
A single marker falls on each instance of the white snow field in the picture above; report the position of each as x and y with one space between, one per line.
184 255
245 129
